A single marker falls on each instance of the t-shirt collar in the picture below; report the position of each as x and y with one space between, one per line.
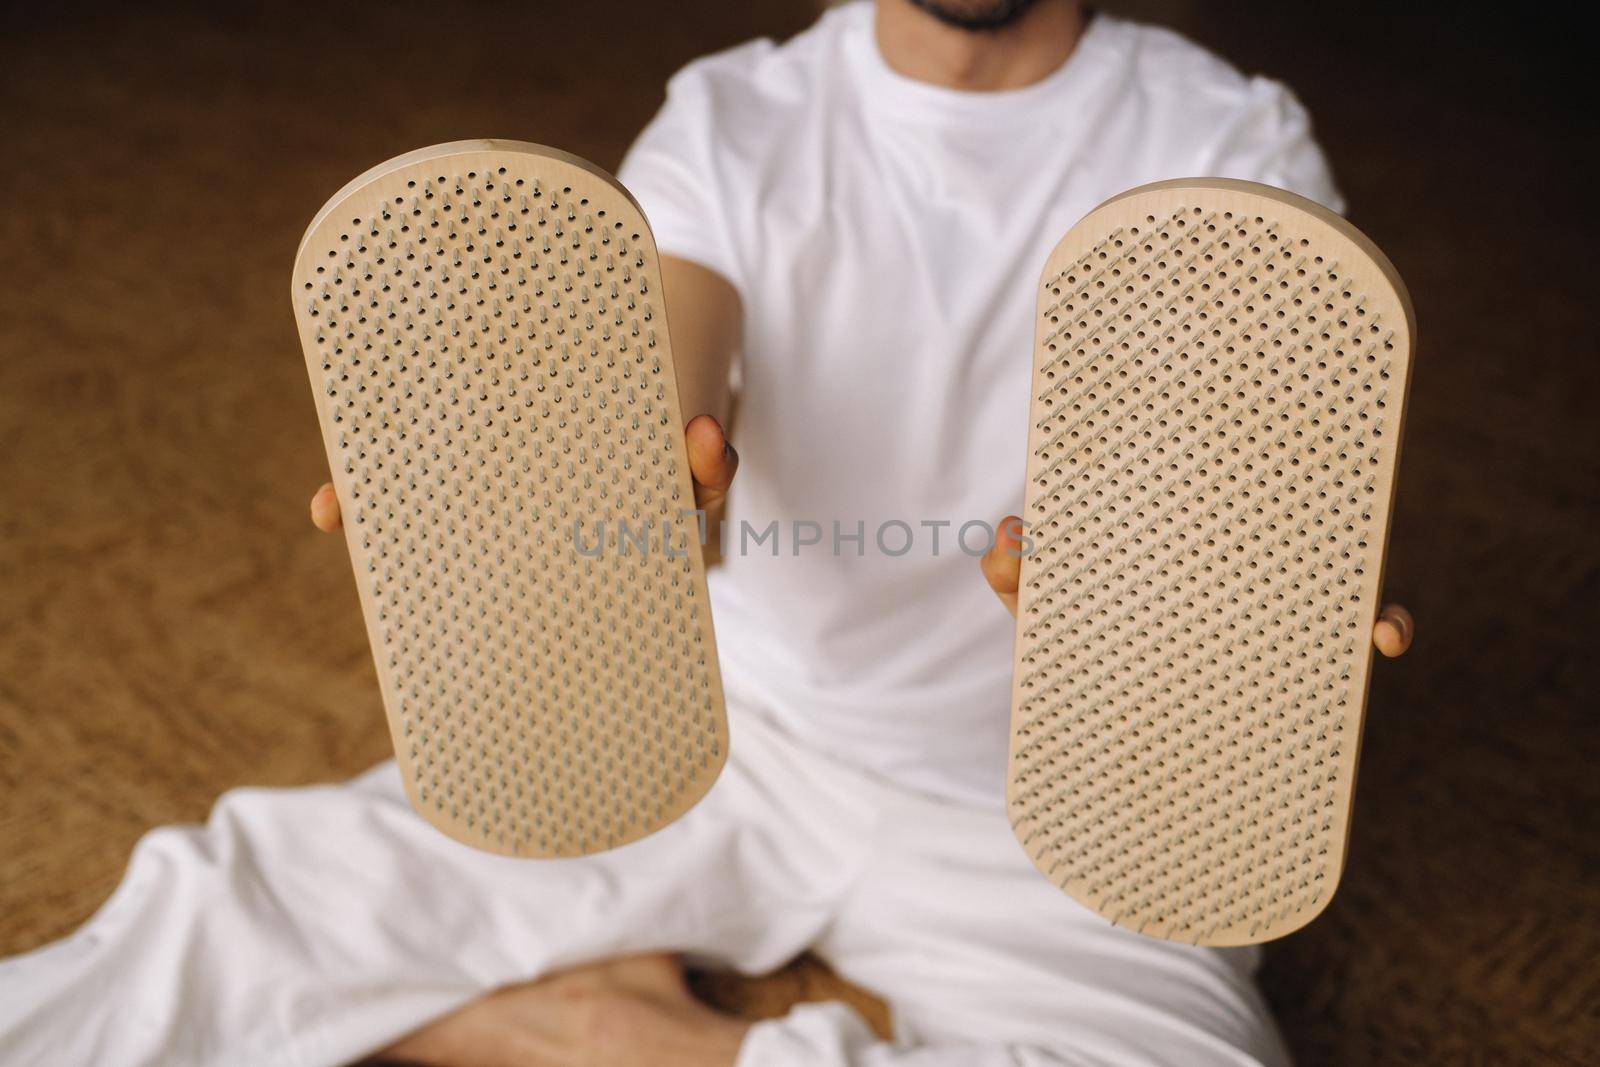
886 88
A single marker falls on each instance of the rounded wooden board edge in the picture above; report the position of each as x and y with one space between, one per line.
1295 201
455 148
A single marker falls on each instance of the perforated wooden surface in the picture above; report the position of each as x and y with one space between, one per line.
483 326
1219 383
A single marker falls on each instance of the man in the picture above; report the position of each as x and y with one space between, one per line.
852 224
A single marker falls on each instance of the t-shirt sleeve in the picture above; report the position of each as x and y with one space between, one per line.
1269 140
677 173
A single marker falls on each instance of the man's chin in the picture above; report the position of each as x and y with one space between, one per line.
975 15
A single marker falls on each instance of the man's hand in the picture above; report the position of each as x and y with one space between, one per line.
1002 566
629 1011
712 460
712 463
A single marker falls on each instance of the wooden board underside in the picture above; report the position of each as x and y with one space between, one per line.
1220 375
484 331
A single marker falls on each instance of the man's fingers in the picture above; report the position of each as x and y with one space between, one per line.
1002 564
712 460
325 509
1393 630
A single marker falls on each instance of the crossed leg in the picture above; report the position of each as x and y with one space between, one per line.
310 927
982 961
313 926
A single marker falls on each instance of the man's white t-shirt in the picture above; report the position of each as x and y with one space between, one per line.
885 236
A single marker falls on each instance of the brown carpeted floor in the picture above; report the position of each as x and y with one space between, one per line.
170 626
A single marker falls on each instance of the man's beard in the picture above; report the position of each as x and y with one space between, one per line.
975 15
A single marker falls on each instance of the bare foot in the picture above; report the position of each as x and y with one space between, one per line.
631 1010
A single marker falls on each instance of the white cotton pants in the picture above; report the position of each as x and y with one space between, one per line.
310 927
